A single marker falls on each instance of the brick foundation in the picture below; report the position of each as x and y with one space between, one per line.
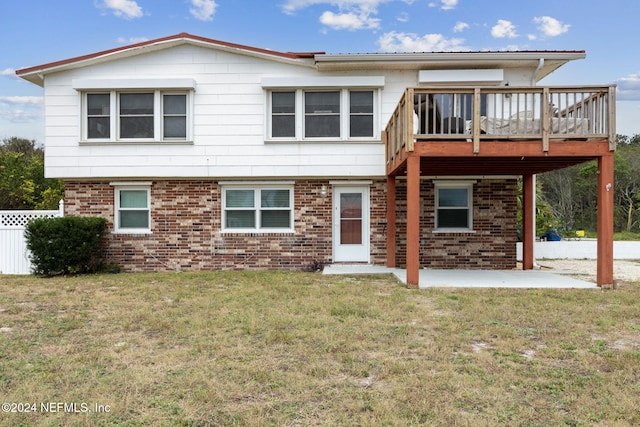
186 222
491 245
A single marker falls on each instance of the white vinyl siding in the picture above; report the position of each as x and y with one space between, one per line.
227 120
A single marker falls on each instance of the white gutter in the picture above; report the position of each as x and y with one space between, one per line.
448 56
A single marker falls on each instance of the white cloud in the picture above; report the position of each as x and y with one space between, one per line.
291 6
20 116
403 17
203 10
629 87
409 42
22 100
504 29
8 72
449 4
349 21
351 14
21 109
444 4
132 40
550 27
128 9
460 27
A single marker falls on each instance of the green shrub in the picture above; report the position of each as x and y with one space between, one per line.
67 245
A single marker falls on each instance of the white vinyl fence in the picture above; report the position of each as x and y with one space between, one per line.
580 249
14 256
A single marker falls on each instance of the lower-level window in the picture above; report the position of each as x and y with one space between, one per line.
132 209
253 208
454 206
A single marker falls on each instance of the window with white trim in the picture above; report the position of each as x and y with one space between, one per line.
454 210
152 115
283 114
257 208
308 114
132 209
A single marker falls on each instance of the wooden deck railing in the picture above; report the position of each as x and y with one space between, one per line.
513 113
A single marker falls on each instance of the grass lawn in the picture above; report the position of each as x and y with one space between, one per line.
301 349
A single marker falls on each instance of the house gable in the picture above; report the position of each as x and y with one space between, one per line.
36 74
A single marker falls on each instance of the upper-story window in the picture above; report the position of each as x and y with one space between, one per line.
152 115
322 114
283 114
98 116
361 113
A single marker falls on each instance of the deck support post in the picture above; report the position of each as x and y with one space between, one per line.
413 221
391 221
605 221
528 221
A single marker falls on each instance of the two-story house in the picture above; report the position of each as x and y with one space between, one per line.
206 155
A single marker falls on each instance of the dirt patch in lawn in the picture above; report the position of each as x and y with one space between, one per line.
624 271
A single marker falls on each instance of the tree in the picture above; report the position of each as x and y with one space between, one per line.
559 194
572 192
627 184
22 181
545 218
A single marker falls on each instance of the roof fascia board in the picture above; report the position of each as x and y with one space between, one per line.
447 60
451 56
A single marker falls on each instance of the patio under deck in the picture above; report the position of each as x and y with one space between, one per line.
499 131
513 279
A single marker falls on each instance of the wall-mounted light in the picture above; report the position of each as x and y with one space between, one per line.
323 191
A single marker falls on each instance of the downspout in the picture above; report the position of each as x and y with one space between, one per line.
534 80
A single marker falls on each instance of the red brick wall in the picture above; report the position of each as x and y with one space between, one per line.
492 245
186 221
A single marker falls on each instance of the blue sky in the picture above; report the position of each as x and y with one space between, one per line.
35 32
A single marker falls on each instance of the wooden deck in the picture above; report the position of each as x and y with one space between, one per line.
564 125
500 131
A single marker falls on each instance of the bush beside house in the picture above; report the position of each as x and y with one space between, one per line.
66 245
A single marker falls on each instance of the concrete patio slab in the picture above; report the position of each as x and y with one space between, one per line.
530 279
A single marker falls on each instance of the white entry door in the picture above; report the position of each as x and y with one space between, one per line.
351 224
